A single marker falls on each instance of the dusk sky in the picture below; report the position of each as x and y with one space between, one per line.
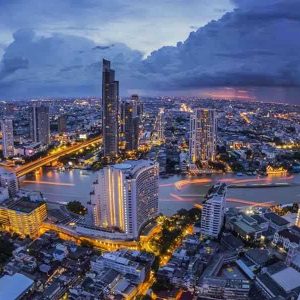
212 48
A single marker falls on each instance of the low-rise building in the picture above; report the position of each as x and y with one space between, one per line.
22 216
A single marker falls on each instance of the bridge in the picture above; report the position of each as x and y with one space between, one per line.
34 165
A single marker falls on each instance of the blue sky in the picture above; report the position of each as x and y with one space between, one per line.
214 48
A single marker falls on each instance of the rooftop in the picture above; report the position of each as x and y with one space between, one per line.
277 220
12 287
24 205
287 234
259 256
288 279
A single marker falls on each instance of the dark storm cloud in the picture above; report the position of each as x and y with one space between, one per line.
59 64
255 45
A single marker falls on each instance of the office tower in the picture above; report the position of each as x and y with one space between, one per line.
213 211
130 123
140 105
23 216
110 107
39 124
125 196
203 135
62 124
160 124
9 180
298 218
7 137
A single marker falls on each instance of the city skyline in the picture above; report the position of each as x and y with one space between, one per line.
150 150
223 61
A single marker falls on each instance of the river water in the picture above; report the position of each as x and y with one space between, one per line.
175 192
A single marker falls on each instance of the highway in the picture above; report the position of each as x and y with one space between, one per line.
32 166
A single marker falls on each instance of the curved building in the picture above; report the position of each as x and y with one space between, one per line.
125 196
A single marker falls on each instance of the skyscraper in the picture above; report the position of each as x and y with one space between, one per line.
125 196
160 124
110 106
39 124
7 137
213 211
62 124
130 122
203 135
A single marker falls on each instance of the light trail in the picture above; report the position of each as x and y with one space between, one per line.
183 183
180 184
250 203
49 183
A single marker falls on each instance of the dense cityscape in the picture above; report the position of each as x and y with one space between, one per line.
149 150
120 242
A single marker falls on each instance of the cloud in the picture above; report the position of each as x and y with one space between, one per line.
255 45
60 64
113 21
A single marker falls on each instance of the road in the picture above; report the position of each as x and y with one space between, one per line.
34 165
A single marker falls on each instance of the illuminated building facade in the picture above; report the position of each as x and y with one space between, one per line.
130 122
213 211
125 196
7 137
23 216
110 108
203 135
160 125
39 124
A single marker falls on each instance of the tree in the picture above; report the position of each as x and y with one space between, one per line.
76 207
6 249
86 244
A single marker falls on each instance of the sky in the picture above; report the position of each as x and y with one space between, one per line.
245 49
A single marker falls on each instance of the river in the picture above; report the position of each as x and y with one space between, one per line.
175 192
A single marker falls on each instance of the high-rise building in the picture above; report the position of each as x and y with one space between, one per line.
62 124
298 218
212 218
110 107
130 123
140 105
7 137
203 135
160 124
125 196
39 124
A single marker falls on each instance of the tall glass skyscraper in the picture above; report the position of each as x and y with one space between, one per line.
203 135
110 107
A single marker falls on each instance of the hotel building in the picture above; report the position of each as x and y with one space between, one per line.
125 196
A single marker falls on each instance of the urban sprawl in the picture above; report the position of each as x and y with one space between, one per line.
119 244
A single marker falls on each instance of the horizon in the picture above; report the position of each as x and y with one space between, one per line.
232 49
